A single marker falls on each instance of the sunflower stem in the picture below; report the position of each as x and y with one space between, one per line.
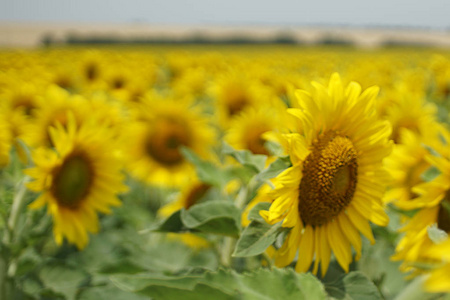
18 203
227 250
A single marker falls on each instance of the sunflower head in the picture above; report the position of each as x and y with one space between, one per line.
164 126
247 129
78 178
337 178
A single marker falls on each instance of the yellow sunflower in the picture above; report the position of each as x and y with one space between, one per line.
54 107
410 110
235 93
153 142
247 129
406 165
432 199
78 178
337 179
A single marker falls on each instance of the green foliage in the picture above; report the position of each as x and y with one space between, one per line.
225 284
62 279
275 168
258 235
354 285
217 217
256 162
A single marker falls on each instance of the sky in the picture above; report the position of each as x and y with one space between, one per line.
361 13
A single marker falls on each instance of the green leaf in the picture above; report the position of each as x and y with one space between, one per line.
256 238
138 282
207 172
217 217
200 291
108 293
254 212
376 264
226 284
354 285
171 224
275 168
246 158
258 235
62 279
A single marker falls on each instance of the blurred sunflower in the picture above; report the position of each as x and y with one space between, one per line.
337 180
247 129
432 200
54 107
407 163
78 178
234 93
153 142
410 110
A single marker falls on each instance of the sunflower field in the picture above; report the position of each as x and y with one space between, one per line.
224 172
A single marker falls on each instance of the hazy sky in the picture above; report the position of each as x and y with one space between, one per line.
418 13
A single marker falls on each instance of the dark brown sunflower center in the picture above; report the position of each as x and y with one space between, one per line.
196 194
443 219
91 71
237 101
24 103
164 144
118 83
256 143
72 180
329 179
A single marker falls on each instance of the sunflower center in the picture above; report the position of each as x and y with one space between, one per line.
256 143
165 142
91 71
329 179
443 219
237 101
118 83
72 180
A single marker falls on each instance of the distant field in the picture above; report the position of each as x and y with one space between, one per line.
35 34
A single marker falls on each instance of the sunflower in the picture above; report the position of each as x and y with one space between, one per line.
336 182
154 141
247 129
235 93
410 110
78 178
406 165
54 107
432 201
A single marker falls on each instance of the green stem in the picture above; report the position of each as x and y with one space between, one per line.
227 249
8 266
18 203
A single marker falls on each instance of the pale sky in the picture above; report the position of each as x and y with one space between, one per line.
415 13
